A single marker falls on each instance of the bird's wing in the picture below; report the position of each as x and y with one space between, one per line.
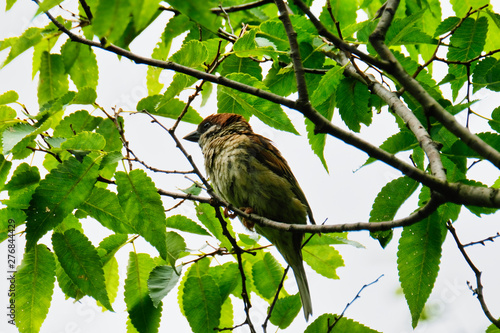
269 155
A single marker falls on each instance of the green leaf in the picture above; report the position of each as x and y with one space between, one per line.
144 316
85 141
328 85
495 119
468 40
198 11
446 26
111 279
191 54
280 82
344 12
285 311
487 74
175 26
62 190
9 217
81 262
67 286
4 170
143 12
46 5
267 274
111 18
342 325
53 81
324 259
143 207
387 203
405 31
401 141
76 122
15 134
171 108
107 128
104 206
8 97
21 186
227 277
29 38
161 281
234 64
419 254
206 215
201 303
175 246
461 7
249 45
183 223
34 282
352 101
232 101
81 64
110 245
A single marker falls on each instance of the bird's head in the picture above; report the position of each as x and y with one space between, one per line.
219 125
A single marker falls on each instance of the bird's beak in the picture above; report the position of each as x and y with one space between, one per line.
193 136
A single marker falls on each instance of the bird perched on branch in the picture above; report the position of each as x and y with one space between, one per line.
247 171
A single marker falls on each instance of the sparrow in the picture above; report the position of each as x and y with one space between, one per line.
249 172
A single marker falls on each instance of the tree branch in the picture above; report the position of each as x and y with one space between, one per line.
479 290
298 66
429 104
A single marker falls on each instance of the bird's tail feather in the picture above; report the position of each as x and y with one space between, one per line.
305 295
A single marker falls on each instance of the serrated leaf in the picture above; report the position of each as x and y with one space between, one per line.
46 5
198 11
419 254
232 101
227 277
175 246
143 12
487 74
495 119
29 38
15 134
401 141
24 176
171 108
110 245
191 54
185 224
75 123
267 274
327 87
161 281
201 303
81 262
446 26
111 18
387 203
85 141
111 280
81 64
53 82
206 215
104 206
144 316
406 31
285 311
234 64
342 325
107 128
34 281
461 7
468 40
8 97
143 207
250 46
8 217
62 190
352 101
324 259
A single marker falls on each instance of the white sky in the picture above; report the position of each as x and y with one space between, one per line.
341 196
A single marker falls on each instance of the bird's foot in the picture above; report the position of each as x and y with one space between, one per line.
247 223
228 213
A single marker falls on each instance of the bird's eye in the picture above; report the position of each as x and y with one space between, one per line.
206 126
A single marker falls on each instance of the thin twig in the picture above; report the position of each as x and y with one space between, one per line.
478 291
483 241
